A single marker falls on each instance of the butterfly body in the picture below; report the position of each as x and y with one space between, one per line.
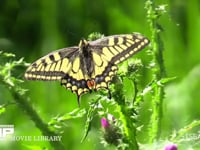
88 66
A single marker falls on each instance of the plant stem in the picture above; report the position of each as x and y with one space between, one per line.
129 128
125 116
158 71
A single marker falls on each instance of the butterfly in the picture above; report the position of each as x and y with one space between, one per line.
88 66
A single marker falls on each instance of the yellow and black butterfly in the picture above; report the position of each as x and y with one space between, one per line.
88 66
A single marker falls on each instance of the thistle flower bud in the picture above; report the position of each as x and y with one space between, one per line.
171 147
104 123
111 133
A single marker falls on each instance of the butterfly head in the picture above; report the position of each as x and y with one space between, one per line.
83 44
83 47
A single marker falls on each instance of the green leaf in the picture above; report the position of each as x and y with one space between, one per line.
166 80
185 131
4 54
76 113
2 109
94 36
90 115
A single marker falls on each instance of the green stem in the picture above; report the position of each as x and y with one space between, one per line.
125 116
129 128
158 71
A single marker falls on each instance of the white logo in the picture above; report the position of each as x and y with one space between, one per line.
6 131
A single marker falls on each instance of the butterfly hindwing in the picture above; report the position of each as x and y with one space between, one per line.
76 79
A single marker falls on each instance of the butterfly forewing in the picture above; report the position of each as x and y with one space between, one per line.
52 66
118 48
111 50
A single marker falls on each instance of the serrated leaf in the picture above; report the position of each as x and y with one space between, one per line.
4 54
166 80
90 116
76 113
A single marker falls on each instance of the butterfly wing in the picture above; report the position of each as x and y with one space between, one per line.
110 51
63 65
79 73
52 66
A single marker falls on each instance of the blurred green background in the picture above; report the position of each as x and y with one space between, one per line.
33 28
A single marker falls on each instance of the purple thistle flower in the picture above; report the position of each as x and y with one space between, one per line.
110 132
105 123
171 147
